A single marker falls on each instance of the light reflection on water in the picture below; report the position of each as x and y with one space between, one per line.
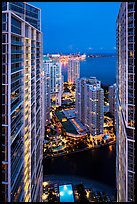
103 68
98 164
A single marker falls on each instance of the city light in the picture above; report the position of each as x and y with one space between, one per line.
68 112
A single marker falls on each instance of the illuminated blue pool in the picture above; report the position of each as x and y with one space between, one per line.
66 193
106 136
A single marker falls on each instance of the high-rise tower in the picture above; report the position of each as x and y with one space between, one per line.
125 123
52 67
112 101
73 70
22 135
90 104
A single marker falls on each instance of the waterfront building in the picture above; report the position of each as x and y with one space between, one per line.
112 100
90 104
73 70
62 83
47 103
73 127
53 68
47 98
22 132
125 119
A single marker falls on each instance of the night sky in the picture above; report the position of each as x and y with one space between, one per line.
85 27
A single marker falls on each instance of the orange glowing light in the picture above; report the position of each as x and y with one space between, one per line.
110 147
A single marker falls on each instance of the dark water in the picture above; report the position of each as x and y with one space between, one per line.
98 164
104 68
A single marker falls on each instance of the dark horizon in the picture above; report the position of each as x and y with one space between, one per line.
87 53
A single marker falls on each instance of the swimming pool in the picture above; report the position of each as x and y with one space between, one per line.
66 193
58 148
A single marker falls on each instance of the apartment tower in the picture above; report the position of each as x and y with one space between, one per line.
47 87
52 67
112 100
22 132
73 70
125 124
90 104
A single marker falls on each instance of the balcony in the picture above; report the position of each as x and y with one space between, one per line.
38 40
20 43
37 72
130 33
16 69
14 98
19 126
130 25
16 114
16 60
32 88
37 52
17 117
130 95
130 47
38 96
15 87
32 99
37 45
37 67
131 10
131 39
32 63
37 77
16 78
17 51
37 56
130 19
32 75
130 69
18 101
16 167
37 61
32 45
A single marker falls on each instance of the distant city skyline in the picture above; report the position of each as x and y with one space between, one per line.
85 27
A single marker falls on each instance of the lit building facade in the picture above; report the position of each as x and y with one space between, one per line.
125 120
22 136
90 104
62 83
112 100
73 70
47 103
53 68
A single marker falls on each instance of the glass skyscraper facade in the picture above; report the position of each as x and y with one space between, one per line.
22 133
125 124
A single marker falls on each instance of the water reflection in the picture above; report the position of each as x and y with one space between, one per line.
97 164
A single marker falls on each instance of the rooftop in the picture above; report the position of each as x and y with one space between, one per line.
60 115
70 123
68 126
70 113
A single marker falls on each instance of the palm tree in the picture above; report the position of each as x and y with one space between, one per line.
51 196
82 193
